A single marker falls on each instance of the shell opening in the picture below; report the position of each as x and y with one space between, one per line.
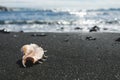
28 62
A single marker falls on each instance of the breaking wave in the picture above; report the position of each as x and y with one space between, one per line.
53 20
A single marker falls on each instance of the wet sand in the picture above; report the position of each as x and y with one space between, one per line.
71 56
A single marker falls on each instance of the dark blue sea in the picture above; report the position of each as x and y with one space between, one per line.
60 20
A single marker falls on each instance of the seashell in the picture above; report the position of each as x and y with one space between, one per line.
32 52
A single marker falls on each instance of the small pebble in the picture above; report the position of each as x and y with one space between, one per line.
22 31
4 31
90 38
118 40
62 28
66 40
77 28
94 29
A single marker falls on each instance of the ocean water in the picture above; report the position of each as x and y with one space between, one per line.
60 20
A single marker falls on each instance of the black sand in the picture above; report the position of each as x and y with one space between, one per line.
70 56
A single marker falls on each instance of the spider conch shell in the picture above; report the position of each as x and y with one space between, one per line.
32 52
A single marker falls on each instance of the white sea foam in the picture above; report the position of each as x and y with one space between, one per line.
60 20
